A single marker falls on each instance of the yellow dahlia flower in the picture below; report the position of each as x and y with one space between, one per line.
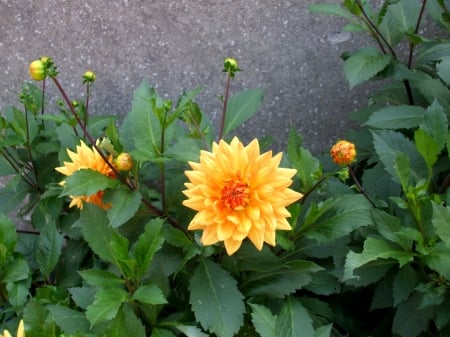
20 331
239 193
86 158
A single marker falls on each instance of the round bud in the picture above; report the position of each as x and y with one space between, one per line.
343 153
37 70
124 162
89 76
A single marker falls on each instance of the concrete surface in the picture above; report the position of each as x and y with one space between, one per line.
178 45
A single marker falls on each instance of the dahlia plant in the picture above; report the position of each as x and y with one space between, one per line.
162 223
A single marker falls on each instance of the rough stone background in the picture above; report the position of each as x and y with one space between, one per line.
292 54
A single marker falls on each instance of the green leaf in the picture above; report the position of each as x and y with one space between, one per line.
330 9
15 270
107 303
157 332
427 147
434 90
13 194
87 182
184 150
241 107
397 117
337 217
141 128
387 143
8 235
441 221
443 69
404 284
125 204
263 320
280 282
126 324
375 249
435 124
148 243
364 64
49 248
103 240
101 278
324 331
82 296
216 300
150 294
191 331
294 320
438 259
19 292
69 320
409 321
405 14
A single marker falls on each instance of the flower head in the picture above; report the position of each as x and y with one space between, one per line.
239 193
86 158
343 153
89 77
230 66
124 162
20 331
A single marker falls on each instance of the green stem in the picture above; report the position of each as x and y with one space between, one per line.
225 103
162 169
42 103
30 154
86 104
360 188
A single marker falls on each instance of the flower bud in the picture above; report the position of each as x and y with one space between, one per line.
124 162
230 66
343 153
38 70
89 77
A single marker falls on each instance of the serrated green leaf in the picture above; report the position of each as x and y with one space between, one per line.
397 117
82 296
263 320
403 170
405 13
101 278
191 331
438 259
294 320
375 249
49 248
103 240
435 124
15 270
443 69
216 300
283 281
107 303
126 324
125 204
158 332
427 147
324 331
8 235
87 182
434 90
441 221
150 294
364 64
404 284
69 320
18 292
241 107
148 243
330 9
337 217
409 321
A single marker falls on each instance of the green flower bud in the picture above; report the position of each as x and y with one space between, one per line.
89 77
37 70
230 66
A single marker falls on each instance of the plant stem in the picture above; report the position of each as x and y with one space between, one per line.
225 103
86 104
360 188
42 103
30 154
316 185
162 170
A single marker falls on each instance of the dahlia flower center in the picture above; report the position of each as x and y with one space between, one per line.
235 195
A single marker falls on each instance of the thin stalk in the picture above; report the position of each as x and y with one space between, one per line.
11 160
162 168
30 154
360 188
86 104
225 103
312 189
42 103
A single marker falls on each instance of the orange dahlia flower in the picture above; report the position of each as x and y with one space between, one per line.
239 193
86 158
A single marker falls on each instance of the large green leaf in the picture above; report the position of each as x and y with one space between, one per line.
148 243
441 221
330 9
107 303
87 182
438 259
126 323
101 278
397 117
294 320
241 107
388 143
103 240
435 124
427 147
364 64
263 320
125 204
375 249
8 236
405 13
337 217
443 69
49 248
280 282
69 320
141 128
216 300
150 294
404 284
409 321
434 90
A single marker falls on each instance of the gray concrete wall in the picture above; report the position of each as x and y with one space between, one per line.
178 45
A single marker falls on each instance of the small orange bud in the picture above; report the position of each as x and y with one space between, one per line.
88 77
343 153
38 70
124 162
